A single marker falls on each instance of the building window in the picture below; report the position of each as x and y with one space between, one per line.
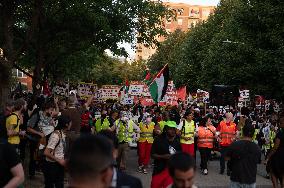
180 11
179 21
194 12
192 23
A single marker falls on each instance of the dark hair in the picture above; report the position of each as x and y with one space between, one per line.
62 122
18 104
89 156
245 111
48 105
180 161
111 136
9 103
187 112
203 121
248 130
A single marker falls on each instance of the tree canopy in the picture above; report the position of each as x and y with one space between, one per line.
241 45
51 38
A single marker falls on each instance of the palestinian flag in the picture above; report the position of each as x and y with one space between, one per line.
124 89
159 85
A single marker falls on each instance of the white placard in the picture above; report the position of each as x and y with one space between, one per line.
136 90
61 90
244 94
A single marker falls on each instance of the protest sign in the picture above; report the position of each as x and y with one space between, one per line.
85 90
61 90
110 92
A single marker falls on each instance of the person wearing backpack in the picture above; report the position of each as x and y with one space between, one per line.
40 126
5 112
13 124
54 163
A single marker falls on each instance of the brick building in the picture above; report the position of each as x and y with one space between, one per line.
25 80
187 16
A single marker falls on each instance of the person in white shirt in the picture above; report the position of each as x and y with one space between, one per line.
54 164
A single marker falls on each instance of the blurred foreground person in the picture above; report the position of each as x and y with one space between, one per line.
11 169
163 147
182 170
91 163
244 155
119 178
275 158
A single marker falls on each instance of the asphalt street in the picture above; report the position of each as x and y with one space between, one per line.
212 180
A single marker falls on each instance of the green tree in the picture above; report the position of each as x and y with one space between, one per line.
252 58
42 35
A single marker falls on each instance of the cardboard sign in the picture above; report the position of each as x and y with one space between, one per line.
85 90
109 92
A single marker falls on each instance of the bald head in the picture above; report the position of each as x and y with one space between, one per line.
229 116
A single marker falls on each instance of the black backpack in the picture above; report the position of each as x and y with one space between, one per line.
31 136
3 130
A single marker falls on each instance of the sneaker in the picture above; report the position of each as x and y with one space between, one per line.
205 171
140 169
145 171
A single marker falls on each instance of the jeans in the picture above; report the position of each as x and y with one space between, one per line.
53 175
240 185
205 156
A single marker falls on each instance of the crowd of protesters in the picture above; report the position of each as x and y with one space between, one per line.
90 141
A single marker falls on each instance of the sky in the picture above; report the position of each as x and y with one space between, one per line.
127 46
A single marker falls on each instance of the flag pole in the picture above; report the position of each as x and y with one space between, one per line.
158 74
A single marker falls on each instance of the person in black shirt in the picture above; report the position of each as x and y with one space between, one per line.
11 169
244 156
276 156
163 147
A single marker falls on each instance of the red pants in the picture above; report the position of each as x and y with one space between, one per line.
161 180
188 148
144 153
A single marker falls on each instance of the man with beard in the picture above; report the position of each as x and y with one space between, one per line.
163 147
